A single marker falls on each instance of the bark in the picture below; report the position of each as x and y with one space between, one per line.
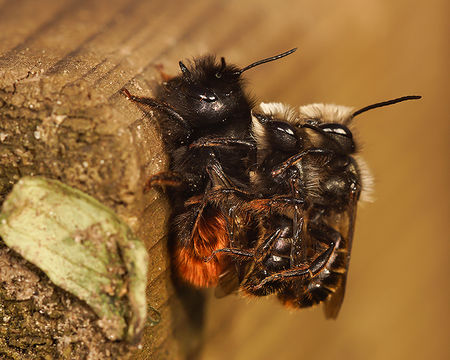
62 117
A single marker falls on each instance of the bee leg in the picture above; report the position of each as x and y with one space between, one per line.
216 174
285 200
193 200
297 158
164 178
222 186
201 208
286 274
297 244
266 205
312 270
206 141
266 246
235 252
223 194
157 105
221 198
231 226
258 254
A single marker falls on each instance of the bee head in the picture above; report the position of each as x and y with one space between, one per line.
326 124
211 92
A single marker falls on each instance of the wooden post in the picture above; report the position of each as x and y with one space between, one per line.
62 116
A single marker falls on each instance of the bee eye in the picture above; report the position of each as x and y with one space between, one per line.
341 135
283 136
336 129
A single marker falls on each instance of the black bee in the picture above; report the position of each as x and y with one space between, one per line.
306 184
205 120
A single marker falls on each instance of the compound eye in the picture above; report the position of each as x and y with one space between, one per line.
337 129
341 135
283 136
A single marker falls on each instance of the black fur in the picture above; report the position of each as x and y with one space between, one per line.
204 117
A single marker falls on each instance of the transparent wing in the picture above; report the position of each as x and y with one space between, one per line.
344 223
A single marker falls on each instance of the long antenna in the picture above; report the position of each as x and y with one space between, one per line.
385 103
272 58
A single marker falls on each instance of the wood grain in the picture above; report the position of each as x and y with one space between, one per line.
70 59
62 117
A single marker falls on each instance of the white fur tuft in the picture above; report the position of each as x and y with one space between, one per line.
367 183
326 113
275 111
279 111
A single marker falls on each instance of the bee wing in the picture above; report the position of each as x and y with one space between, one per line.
228 283
344 223
230 280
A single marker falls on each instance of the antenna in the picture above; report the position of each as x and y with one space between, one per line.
263 61
385 103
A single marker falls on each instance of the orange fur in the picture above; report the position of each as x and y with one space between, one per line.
210 234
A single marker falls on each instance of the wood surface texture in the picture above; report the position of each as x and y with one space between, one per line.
62 64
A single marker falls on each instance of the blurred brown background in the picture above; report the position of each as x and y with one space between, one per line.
355 53
351 53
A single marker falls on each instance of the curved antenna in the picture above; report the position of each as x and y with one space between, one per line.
383 103
223 65
263 61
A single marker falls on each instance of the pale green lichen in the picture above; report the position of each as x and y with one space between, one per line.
83 247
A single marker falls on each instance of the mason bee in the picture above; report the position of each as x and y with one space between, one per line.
306 185
205 120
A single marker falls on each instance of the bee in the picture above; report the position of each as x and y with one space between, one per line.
205 121
306 185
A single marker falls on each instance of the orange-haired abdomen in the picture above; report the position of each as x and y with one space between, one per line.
210 234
